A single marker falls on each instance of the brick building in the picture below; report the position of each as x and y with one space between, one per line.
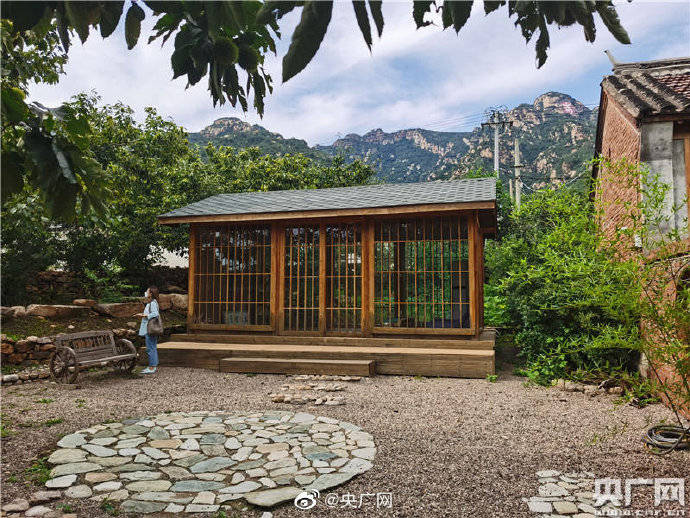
644 116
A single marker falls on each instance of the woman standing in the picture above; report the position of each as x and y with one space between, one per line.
149 331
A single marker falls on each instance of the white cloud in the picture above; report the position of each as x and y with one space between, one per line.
411 78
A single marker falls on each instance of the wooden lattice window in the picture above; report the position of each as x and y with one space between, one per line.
301 303
233 276
344 278
422 273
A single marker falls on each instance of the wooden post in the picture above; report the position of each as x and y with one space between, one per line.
191 272
280 279
473 235
322 279
274 275
368 272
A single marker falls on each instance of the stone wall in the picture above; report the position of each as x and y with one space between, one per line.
56 286
34 349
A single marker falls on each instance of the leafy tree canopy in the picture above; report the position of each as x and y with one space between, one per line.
148 168
218 40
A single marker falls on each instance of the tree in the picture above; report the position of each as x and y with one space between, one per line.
220 40
41 147
149 168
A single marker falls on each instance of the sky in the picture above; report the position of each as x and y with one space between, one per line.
426 78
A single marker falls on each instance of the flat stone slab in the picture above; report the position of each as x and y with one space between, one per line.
565 494
194 462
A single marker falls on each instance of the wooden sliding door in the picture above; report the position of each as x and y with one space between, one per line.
301 280
343 270
422 275
230 271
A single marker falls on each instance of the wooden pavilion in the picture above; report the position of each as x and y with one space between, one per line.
353 280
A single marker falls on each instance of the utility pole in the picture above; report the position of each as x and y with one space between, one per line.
518 165
499 122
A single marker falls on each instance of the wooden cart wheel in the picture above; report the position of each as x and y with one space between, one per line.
63 365
126 365
126 347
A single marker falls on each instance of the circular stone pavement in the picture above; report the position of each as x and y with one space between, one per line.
197 461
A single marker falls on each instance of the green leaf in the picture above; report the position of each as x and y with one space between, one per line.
14 109
491 6
610 18
24 15
377 14
363 20
12 174
456 11
542 43
110 17
419 10
135 15
81 15
307 38
274 9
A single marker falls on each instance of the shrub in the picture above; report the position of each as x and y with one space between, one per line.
570 304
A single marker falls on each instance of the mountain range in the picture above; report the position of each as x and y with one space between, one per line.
556 134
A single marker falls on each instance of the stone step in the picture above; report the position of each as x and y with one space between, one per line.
298 366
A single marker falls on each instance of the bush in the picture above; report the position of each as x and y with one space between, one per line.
571 305
29 246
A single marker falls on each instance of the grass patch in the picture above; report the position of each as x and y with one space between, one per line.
81 403
11 369
5 423
492 378
65 508
53 422
39 472
109 507
44 401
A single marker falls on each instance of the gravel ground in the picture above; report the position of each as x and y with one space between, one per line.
446 447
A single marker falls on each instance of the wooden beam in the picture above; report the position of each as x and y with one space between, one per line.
423 331
368 273
429 208
191 273
322 279
280 292
275 274
473 235
230 327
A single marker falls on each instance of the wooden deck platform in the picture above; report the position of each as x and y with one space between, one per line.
425 357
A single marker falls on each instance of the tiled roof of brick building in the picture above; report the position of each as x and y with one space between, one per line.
651 88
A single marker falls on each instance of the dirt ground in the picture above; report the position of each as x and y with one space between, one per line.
446 447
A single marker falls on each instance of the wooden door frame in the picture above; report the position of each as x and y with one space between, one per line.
278 230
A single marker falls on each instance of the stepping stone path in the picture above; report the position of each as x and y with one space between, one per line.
295 393
199 461
566 494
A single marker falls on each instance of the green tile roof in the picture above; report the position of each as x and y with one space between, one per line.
360 197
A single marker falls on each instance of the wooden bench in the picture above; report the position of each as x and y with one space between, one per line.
77 351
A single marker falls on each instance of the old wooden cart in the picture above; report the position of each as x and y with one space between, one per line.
78 351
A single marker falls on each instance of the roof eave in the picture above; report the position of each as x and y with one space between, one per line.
331 213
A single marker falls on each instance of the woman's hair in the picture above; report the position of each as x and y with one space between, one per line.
153 291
